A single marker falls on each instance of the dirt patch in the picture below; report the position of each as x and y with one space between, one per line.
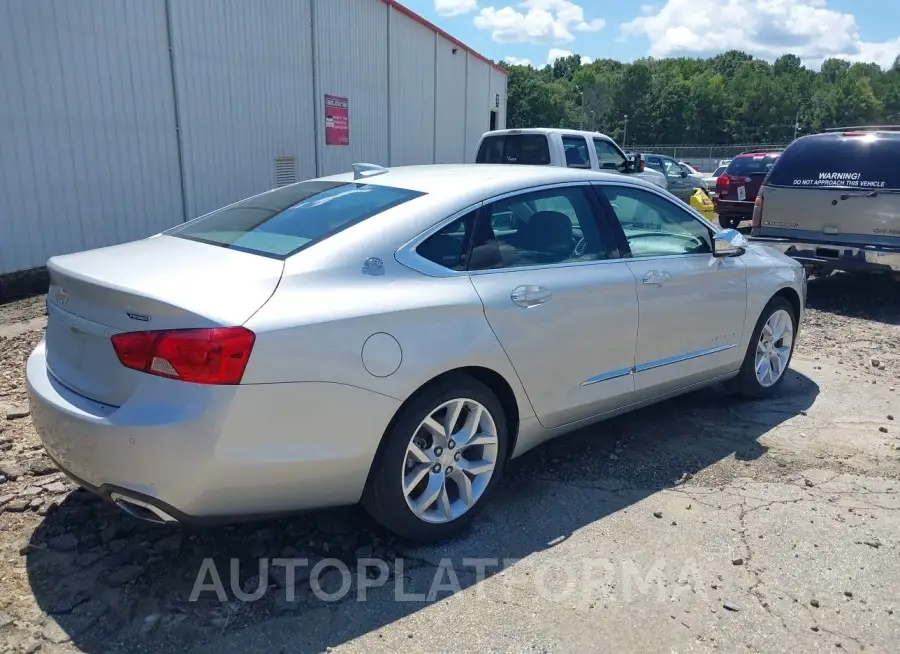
802 490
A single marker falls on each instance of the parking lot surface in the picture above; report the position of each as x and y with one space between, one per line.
707 523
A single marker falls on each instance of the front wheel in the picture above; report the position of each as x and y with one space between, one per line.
769 352
440 461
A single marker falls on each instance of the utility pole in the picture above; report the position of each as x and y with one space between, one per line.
797 124
582 110
625 134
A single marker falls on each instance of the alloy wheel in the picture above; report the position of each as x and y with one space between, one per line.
773 350
450 460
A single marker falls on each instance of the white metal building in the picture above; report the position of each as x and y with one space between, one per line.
120 119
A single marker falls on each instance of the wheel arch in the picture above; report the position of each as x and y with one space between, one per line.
496 382
790 294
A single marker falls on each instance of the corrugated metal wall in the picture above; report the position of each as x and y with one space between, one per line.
498 97
88 153
106 137
351 55
450 142
245 92
478 102
412 74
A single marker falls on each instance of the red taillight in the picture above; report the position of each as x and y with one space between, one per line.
202 356
722 181
756 220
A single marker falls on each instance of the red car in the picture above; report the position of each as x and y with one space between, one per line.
737 187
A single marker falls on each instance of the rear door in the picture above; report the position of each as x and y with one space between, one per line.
843 188
691 305
560 300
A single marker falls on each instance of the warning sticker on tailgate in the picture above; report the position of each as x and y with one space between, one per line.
852 180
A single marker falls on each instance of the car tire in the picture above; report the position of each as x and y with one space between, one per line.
728 222
397 465
748 382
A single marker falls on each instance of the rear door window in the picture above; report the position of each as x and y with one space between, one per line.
284 221
577 155
866 162
525 149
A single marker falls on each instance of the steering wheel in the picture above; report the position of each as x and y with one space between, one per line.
579 248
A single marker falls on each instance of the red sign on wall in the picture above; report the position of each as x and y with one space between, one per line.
337 120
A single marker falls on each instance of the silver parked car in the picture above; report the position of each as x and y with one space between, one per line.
392 337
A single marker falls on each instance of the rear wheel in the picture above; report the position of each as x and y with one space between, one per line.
440 461
769 352
729 222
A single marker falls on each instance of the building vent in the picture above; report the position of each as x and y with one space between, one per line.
285 171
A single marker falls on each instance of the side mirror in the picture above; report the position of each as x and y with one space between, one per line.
633 163
684 174
729 243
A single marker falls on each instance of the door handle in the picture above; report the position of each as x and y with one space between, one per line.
656 277
529 296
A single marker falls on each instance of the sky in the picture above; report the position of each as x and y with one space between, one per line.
538 31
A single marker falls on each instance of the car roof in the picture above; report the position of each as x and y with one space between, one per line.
744 155
479 179
545 130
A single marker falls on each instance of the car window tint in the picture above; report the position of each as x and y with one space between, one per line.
718 172
449 246
608 155
655 226
752 165
525 149
656 163
672 168
864 162
285 220
576 152
535 229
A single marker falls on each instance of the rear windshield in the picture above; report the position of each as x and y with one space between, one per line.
755 165
283 221
868 162
527 149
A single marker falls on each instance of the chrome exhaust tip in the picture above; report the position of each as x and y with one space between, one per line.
142 510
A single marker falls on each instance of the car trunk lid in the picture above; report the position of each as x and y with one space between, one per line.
157 283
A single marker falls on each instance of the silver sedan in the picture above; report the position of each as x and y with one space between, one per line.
392 337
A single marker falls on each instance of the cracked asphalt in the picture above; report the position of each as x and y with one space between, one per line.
706 523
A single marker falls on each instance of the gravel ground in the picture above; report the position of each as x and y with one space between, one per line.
783 513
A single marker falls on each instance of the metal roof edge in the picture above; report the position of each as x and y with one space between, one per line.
409 13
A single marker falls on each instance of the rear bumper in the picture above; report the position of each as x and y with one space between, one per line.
214 453
744 210
837 256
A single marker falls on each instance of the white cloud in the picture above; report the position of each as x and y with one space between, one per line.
556 53
454 7
536 21
515 61
764 28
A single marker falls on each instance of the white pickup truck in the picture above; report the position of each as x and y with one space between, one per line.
570 148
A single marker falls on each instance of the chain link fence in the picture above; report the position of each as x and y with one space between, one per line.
705 158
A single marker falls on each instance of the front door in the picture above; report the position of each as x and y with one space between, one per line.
679 185
561 302
692 306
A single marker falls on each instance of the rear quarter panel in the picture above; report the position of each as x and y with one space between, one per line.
316 323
